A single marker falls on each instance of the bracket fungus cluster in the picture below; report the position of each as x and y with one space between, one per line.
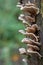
28 17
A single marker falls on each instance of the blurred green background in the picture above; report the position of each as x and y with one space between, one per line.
10 38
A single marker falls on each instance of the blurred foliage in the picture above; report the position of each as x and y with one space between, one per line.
10 38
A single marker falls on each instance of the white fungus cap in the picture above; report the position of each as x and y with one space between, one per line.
20 18
21 15
21 8
24 60
22 50
19 5
24 39
22 31
25 22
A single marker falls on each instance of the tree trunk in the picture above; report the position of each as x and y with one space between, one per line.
34 60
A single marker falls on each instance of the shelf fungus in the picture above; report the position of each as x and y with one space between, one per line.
28 18
22 51
21 1
26 23
22 31
20 4
33 46
30 41
30 4
31 9
33 28
21 17
31 35
30 51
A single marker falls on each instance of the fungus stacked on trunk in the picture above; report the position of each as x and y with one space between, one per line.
28 17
